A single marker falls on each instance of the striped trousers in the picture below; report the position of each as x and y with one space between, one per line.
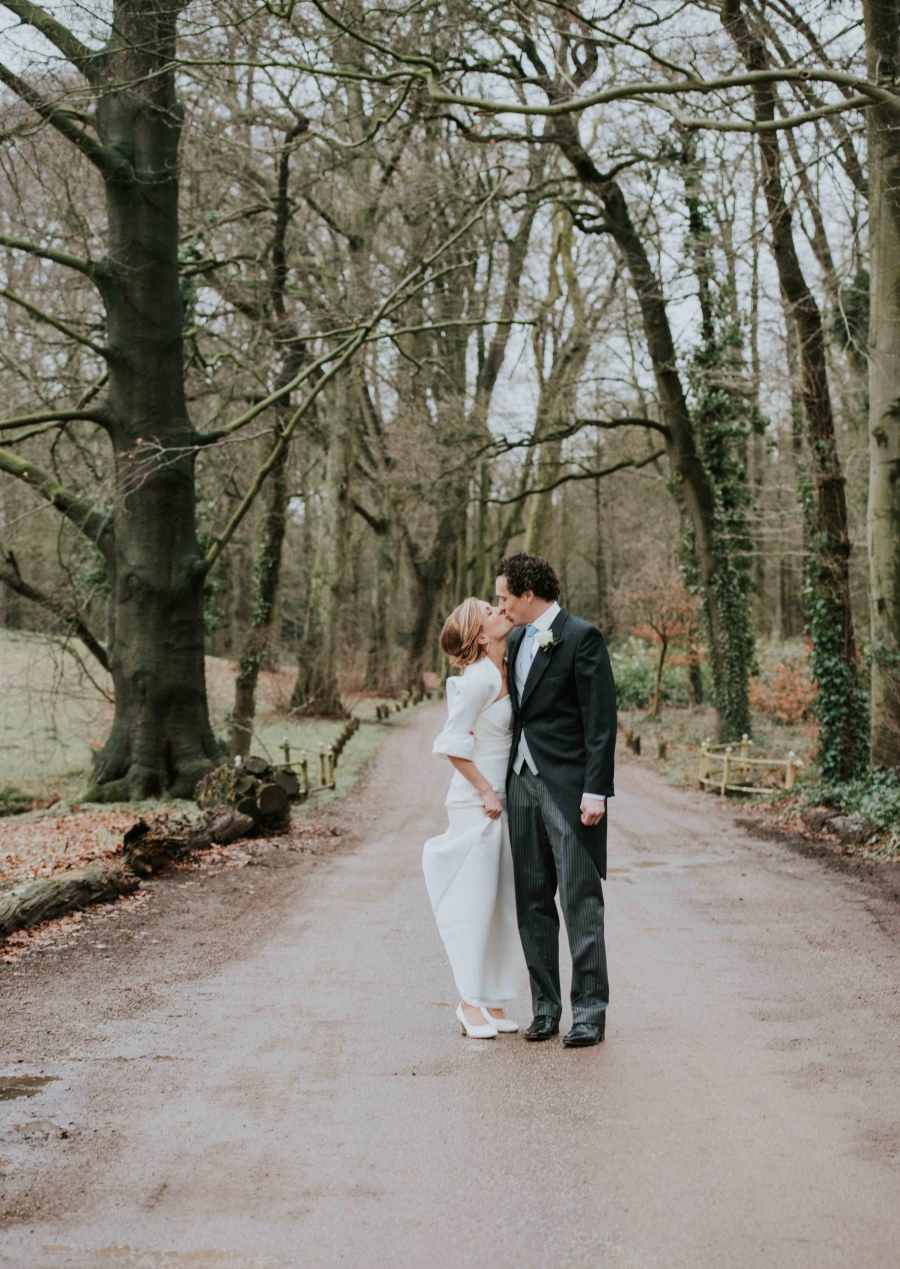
548 856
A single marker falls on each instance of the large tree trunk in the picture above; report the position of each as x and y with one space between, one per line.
430 576
161 740
602 620
265 605
555 408
549 466
882 24
558 388
385 580
841 703
316 692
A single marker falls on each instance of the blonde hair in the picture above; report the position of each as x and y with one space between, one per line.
459 637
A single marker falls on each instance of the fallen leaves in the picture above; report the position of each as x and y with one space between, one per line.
39 848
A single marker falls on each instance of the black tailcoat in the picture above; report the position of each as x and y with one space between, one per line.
568 711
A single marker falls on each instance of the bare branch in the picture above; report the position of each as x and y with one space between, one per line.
11 577
773 125
54 416
673 88
54 322
86 517
378 524
81 57
110 165
408 286
87 267
633 463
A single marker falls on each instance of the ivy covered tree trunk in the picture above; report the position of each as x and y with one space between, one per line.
882 24
161 740
841 703
723 414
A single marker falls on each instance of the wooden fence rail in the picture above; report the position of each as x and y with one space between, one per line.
328 759
736 768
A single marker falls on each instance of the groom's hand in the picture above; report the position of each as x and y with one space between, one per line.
592 810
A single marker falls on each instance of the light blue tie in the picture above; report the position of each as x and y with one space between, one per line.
523 661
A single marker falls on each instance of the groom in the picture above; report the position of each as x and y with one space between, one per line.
560 775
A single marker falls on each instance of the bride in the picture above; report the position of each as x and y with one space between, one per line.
468 870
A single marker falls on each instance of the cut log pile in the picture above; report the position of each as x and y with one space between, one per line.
260 792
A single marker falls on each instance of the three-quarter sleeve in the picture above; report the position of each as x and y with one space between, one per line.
467 696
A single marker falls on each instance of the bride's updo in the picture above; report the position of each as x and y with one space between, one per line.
459 637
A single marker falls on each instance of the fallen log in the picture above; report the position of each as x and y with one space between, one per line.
45 898
146 848
150 845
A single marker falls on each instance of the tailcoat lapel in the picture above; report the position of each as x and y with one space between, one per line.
515 642
542 658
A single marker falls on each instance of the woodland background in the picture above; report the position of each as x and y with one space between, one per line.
310 313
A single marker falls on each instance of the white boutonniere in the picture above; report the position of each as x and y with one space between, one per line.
546 640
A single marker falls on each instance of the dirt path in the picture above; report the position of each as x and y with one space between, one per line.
279 1082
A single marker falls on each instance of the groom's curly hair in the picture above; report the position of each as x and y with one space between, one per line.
529 572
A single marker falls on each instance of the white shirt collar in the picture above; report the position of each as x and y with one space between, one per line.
546 619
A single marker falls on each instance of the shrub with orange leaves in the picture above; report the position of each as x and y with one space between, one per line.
667 614
785 692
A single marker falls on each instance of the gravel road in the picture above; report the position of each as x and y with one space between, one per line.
278 1082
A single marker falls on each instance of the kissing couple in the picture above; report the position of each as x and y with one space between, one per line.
532 735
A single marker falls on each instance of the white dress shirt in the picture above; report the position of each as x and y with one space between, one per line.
523 665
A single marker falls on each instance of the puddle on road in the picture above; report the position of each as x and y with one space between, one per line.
12 1086
40 1128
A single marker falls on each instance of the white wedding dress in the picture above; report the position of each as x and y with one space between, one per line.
468 870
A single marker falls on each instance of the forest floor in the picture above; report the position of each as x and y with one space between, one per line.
54 715
259 1067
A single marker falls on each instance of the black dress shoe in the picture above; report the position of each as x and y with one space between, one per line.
542 1028
584 1034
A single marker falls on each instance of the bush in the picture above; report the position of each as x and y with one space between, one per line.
13 801
634 670
874 797
785 692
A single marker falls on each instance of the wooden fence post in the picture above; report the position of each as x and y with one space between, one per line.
789 771
726 770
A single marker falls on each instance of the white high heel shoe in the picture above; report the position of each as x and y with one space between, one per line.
475 1033
502 1024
